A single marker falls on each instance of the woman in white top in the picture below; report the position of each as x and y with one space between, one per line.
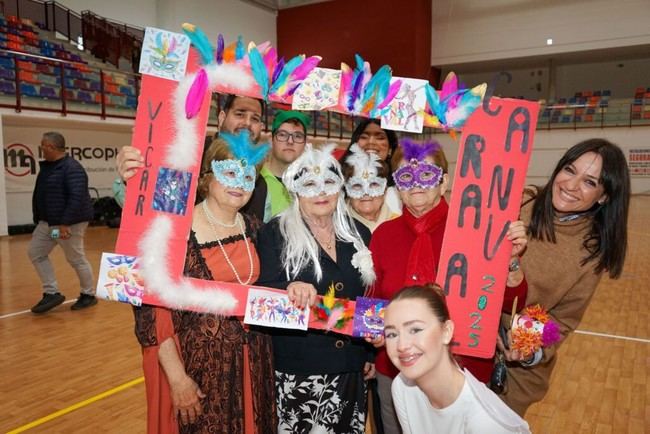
431 394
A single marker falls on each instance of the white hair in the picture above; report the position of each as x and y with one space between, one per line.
300 247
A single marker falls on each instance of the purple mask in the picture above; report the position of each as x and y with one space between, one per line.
417 174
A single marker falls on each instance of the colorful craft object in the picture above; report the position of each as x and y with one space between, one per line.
449 108
533 329
363 93
417 173
364 181
369 317
164 56
279 80
333 313
239 172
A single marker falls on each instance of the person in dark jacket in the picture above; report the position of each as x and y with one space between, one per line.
62 209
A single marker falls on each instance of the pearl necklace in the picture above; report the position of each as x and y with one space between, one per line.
238 220
213 219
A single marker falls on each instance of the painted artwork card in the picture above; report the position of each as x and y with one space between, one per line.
164 54
318 91
492 161
172 191
119 279
369 317
406 110
273 309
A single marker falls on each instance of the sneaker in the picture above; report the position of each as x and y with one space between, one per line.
49 301
84 301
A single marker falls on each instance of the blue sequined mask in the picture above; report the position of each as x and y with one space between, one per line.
234 174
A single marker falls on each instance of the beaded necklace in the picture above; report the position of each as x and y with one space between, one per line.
238 220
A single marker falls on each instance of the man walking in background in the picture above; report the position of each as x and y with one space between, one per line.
62 209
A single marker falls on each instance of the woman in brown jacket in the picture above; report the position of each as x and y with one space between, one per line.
577 227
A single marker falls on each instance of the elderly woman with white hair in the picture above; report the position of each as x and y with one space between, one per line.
309 248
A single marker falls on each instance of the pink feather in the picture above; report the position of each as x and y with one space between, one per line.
449 86
367 74
334 316
270 60
392 91
196 95
301 72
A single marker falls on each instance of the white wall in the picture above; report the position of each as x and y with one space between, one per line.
140 13
549 146
471 31
229 17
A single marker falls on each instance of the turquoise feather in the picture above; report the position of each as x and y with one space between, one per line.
382 75
260 73
239 48
285 73
243 148
200 42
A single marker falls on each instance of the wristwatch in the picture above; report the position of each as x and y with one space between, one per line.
514 264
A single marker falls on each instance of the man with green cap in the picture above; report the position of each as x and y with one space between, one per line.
270 197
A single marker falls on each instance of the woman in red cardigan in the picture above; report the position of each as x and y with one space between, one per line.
406 250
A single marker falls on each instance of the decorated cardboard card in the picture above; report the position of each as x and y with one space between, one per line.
406 110
164 54
318 91
119 279
490 174
332 314
368 317
274 309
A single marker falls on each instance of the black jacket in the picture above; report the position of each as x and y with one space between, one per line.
61 194
314 352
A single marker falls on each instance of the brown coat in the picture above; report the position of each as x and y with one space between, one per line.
557 282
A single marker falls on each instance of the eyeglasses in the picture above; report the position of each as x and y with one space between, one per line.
283 136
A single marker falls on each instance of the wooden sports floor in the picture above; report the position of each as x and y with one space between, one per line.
79 372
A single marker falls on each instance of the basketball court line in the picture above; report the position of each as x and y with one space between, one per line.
9 315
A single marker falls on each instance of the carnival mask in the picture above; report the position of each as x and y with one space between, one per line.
417 174
312 182
359 186
234 174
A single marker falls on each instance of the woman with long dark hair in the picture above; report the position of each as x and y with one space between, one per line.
577 227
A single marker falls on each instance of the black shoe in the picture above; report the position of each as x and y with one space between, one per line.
84 301
49 301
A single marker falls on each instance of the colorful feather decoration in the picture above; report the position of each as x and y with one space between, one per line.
334 312
282 78
271 60
196 94
277 70
362 93
450 108
301 72
200 42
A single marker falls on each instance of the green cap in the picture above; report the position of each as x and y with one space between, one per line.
283 116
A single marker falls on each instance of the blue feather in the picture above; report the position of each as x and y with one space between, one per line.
382 75
239 49
200 42
243 148
259 70
285 73
435 105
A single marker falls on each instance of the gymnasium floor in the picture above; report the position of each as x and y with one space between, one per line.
79 372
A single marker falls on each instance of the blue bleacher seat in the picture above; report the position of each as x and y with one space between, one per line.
126 90
48 92
84 96
7 74
7 87
131 101
94 85
6 62
28 89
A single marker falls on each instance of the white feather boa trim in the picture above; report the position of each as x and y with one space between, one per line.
181 293
183 150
